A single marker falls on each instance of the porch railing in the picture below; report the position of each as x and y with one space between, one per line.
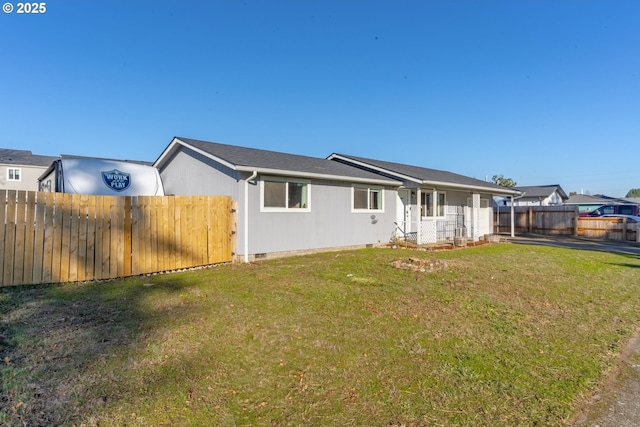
430 230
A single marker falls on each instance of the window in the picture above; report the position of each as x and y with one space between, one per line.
281 194
484 203
427 204
13 174
367 199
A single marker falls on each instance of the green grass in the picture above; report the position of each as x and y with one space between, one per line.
502 335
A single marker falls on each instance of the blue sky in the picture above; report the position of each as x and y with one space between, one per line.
543 92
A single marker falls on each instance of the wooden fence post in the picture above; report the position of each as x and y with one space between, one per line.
127 237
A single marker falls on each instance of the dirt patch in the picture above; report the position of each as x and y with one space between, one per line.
420 265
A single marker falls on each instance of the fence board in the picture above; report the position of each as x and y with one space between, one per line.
114 247
83 222
106 236
9 237
48 233
177 246
154 237
91 238
170 247
74 239
38 240
65 251
30 218
21 225
53 237
3 221
100 224
126 227
146 236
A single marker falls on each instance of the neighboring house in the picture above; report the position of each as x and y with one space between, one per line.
286 203
634 200
588 202
20 169
537 195
435 205
97 176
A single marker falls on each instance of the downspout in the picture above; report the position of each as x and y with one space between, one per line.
246 215
513 221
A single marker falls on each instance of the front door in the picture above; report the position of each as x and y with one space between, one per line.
403 214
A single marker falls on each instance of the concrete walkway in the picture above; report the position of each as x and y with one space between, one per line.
617 404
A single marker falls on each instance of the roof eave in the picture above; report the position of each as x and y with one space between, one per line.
492 190
282 172
172 147
375 168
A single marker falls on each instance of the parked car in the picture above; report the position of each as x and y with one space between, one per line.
630 218
619 209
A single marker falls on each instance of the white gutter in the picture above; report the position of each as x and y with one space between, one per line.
470 187
281 172
246 215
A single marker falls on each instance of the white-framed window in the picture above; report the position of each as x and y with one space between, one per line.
285 195
484 203
14 174
426 204
367 199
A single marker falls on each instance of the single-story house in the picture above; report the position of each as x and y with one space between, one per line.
286 202
20 169
537 195
435 205
291 203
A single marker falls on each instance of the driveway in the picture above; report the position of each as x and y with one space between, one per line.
617 403
618 246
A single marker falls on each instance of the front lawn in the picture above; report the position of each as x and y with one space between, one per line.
499 334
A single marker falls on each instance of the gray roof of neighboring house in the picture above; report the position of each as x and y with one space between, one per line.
9 156
264 161
424 175
544 191
588 199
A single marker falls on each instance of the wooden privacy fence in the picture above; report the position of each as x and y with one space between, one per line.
536 219
563 220
55 237
608 228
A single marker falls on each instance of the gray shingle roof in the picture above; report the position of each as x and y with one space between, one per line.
24 157
537 191
586 199
243 157
426 175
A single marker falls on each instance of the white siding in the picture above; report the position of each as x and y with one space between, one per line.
28 177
